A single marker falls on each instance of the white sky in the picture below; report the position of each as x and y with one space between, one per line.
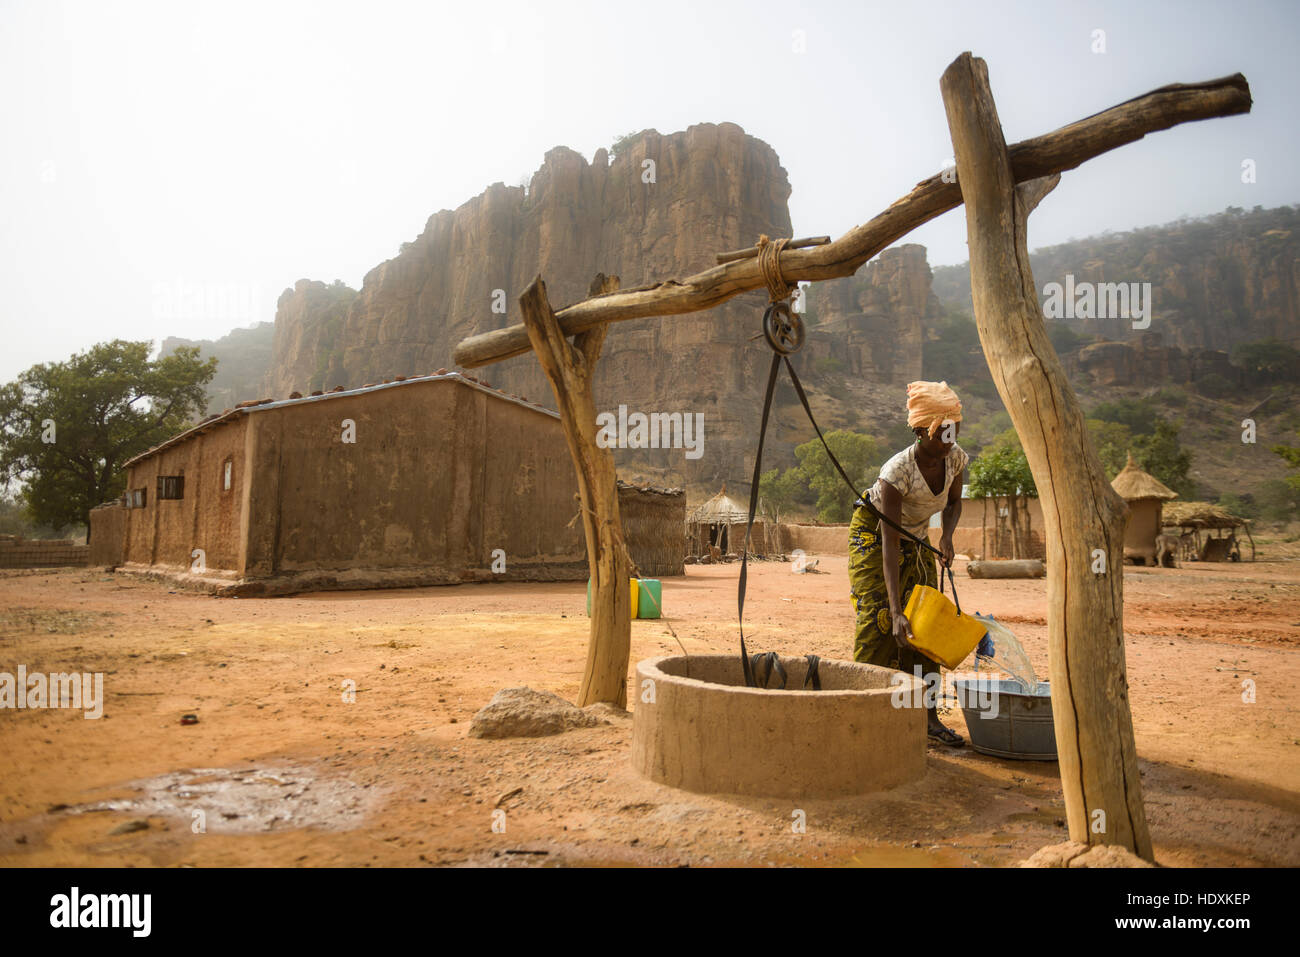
154 147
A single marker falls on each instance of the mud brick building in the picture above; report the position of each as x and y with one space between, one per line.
417 481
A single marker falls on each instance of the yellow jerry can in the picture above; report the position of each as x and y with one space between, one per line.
939 629
635 588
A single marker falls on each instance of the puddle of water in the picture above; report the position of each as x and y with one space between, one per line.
251 800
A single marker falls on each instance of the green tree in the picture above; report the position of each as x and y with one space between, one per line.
1138 415
1064 339
779 492
1113 443
858 454
623 142
1163 456
1002 472
1291 455
1270 360
953 353
67 427
1279 499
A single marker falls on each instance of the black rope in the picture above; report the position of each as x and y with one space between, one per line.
749 527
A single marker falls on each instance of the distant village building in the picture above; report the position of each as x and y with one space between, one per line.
720 523
1145 495
425 480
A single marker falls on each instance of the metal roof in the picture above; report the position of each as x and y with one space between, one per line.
244 409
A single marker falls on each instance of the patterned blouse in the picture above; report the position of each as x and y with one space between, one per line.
919 503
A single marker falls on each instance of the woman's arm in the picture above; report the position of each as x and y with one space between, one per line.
891 504
951 515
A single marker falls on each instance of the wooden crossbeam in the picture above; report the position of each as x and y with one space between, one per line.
1054 152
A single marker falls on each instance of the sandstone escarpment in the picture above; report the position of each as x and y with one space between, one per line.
309 322
1216 282
660 209
243 357
713 188
875 320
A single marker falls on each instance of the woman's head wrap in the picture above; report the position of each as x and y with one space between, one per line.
930 404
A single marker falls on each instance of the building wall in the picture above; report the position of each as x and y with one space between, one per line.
654 527
108 534
34 553
1142 528
439 476
165 532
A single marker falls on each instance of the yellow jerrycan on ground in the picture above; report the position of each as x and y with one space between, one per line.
939 627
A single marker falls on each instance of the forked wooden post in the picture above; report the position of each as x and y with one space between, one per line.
571 369
1083 514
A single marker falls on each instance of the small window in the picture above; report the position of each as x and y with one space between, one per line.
171 486
226 471
135 498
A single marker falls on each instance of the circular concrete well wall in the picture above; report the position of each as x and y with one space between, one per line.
696 726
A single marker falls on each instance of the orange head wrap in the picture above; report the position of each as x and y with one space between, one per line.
930 404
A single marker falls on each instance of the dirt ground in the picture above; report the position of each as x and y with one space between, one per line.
284 772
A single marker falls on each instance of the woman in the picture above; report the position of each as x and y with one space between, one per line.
884 567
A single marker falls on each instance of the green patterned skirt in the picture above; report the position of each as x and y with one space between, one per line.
873 642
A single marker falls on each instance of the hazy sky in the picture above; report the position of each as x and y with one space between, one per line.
154 148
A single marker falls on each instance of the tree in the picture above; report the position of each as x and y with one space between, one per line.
623 142
779 492
1138 415
1113 441
1002 472
858 454
1270 360
1291 455
67 427
1163 456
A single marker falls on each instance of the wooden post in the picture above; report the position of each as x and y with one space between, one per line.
984 530
570 369
1084 517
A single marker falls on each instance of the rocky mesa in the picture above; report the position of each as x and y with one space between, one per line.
662 206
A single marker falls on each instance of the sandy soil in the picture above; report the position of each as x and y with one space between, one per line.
286 773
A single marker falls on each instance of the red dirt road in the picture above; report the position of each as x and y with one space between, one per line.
284 772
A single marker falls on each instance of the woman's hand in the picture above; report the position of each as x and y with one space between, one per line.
945 546
902 629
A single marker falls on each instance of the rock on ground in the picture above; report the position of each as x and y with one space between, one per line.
1074 854
525 713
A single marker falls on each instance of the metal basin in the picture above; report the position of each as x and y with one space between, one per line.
1005 721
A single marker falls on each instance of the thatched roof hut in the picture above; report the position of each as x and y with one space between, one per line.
1145 495
654 522
1202 515
720 523
721 509
1134 485
1197 517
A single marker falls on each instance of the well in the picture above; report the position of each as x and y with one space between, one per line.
697 727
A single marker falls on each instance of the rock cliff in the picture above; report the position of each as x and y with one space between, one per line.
874 322
660 208
243 356
1216 282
